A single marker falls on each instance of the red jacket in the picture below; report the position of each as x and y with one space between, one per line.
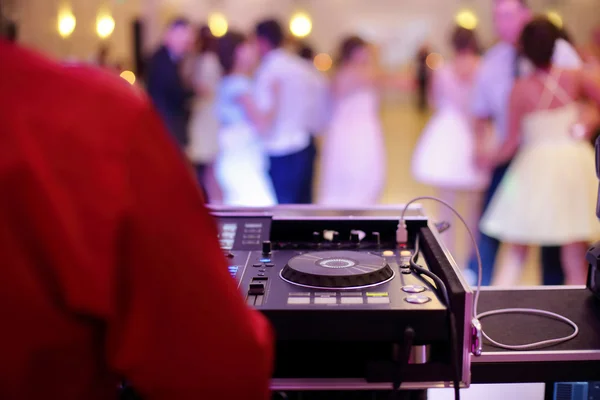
109 261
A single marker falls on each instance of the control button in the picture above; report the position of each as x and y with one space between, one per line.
406 271
377 237
261 274
336 237
265 260
378 300
325 300
354 238
262 270
413 289
266 248
388 253
257 265
351 300
256 289
405 253
269 265
417 299
316 237
298 300
405 265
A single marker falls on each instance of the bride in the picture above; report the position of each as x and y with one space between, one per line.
353 158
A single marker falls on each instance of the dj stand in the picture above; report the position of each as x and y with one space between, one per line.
574 361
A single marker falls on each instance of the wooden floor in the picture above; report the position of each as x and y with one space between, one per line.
402 126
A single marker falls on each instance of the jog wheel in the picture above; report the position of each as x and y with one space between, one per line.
337 270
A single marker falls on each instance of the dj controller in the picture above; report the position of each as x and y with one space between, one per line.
343 297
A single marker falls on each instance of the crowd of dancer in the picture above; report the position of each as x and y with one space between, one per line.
511 132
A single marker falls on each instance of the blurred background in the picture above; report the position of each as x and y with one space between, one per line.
411 36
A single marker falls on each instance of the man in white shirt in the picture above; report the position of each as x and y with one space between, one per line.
500 67
288 141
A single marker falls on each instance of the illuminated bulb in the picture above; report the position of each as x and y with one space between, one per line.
434 61
555 18
105 26
466 19
323 62
300 25
66 24
128 76
217 23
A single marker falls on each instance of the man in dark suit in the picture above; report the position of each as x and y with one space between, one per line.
165 84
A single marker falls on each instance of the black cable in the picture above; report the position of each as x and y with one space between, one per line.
441 288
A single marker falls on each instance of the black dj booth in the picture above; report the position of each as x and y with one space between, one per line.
371 301
357 323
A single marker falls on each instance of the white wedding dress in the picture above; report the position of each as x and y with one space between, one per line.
353 160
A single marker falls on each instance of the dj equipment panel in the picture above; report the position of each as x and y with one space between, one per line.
340 292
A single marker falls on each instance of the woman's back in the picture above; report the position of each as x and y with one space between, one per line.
452 84
550 110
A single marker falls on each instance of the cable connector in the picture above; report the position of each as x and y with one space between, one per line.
402 233
476 337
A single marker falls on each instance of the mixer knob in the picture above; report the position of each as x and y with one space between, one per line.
377 237
336 237
354 238
316 237
266 248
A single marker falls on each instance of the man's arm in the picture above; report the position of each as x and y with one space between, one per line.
482 113
180 328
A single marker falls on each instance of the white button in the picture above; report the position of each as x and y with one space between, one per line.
299 300
417 299
405 253
378 300
413 289
352 300
325 300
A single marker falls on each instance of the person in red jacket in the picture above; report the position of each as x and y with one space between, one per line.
110 266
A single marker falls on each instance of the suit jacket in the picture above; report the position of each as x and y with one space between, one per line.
169 94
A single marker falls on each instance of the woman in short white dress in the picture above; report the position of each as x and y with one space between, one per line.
444 156
548 195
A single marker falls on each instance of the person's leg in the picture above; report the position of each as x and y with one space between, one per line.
309 156
200 171
288 174
488 246
511 268
574 263
552 267
213 189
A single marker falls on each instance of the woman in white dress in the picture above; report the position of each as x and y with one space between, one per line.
444 156
353 160
242 166
204 126
548 195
